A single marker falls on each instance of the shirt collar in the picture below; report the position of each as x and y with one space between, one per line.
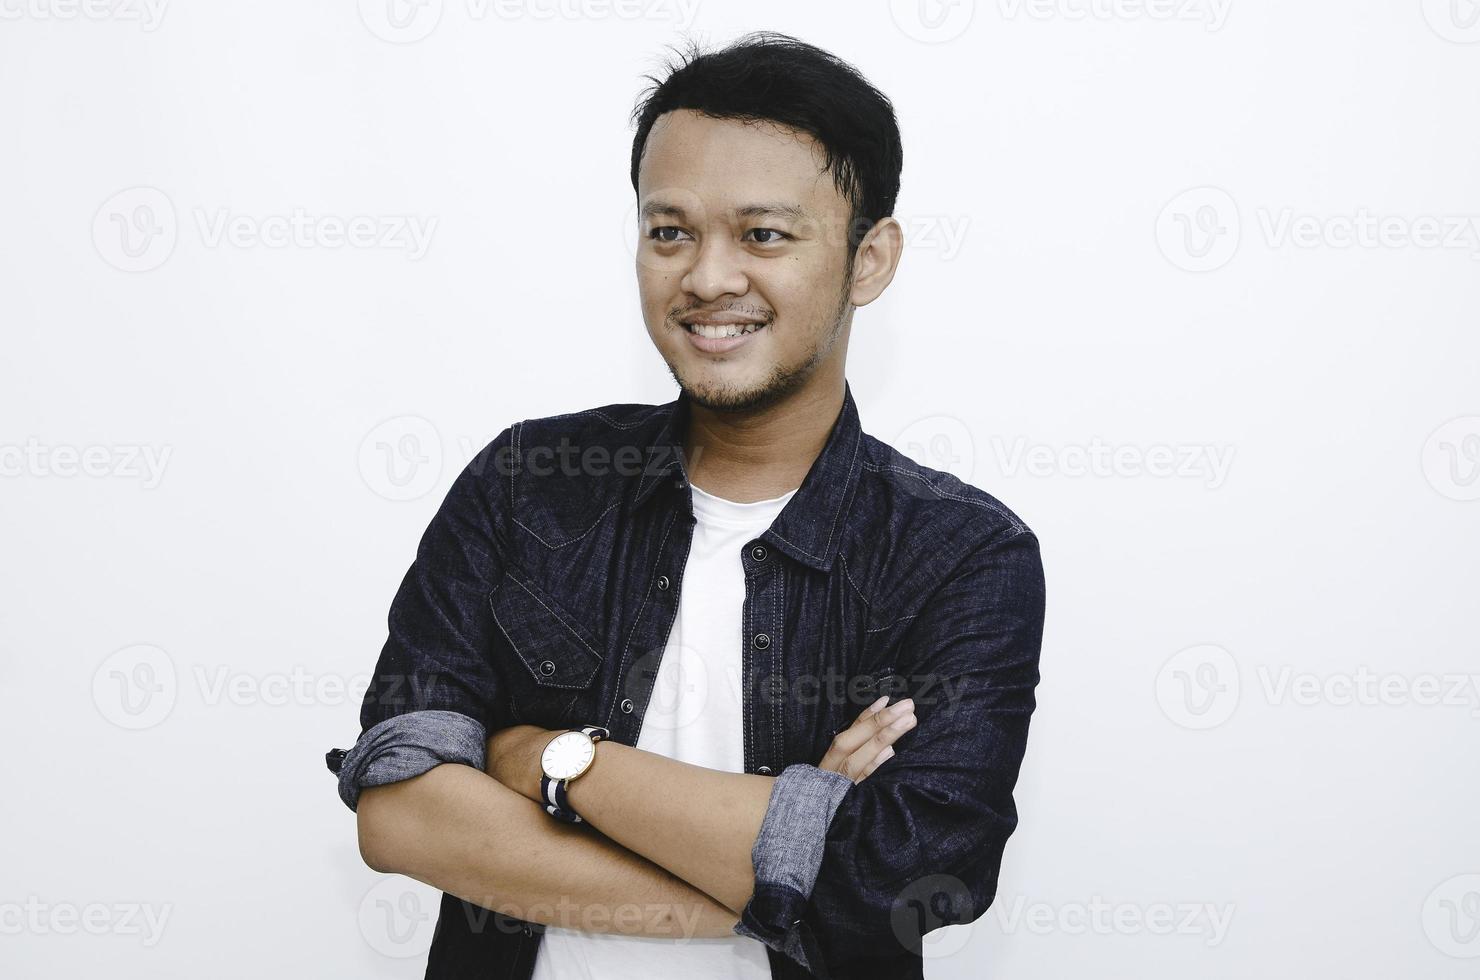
810 526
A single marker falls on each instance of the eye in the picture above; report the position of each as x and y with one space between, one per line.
774 237
667 234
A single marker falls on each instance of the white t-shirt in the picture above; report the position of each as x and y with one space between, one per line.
694 716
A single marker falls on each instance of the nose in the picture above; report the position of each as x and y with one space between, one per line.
717 271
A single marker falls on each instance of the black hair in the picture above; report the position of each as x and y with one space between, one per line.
777 78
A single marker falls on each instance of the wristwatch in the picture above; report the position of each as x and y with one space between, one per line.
567 756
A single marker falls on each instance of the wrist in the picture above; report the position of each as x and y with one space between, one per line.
514 758
564 760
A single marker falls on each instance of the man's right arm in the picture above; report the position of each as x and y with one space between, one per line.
415 776
461 831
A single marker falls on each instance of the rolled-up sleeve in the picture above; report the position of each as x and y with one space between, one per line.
409 745
850 872
431 695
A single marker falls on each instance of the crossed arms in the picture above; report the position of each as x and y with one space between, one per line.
665 850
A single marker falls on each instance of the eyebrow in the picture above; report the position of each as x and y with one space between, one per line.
791 212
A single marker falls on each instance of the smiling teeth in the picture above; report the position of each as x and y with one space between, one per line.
721 331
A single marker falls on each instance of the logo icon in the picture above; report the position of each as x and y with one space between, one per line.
401 458
681 686
1454 20
1451 458
925 907
135 688
398 917
135 230
932 21
941 442
1198 230
1198 687
1451 917
401 21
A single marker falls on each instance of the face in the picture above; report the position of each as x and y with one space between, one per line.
742 260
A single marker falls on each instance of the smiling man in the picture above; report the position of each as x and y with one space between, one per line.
724 687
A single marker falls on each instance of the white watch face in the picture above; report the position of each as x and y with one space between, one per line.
568 755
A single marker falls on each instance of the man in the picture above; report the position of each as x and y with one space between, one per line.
636 689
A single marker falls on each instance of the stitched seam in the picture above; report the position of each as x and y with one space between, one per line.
522 659
843 560
777 604
556 547
902 619
745 658
648 413
622 425
877 467
515 466
558 617
798 547
852 461
637 622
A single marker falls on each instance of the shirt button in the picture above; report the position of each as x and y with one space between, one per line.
626 706
764 770
762 641
662 583
526 930
759 552
547 667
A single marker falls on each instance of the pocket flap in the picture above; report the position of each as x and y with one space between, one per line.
557 651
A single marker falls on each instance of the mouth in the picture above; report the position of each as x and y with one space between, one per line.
720 338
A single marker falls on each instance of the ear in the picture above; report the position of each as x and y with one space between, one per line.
877 258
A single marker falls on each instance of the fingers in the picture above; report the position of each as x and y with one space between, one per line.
861 749
864 726
846 742
889 730
879 748
879 760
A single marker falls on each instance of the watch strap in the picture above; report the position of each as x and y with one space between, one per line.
553 791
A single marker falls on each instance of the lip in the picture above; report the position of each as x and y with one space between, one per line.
720 345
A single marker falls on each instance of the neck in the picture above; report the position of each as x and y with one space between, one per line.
750 456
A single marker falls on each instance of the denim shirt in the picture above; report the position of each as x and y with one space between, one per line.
543 592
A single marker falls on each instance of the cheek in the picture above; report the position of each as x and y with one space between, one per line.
655 284
803 294
654 295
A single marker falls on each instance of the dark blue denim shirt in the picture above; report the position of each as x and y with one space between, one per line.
543 592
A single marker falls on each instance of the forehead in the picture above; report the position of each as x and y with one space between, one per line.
727 163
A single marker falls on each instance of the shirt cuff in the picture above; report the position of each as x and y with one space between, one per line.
408 745
787 855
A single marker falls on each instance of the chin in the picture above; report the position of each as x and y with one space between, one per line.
739 395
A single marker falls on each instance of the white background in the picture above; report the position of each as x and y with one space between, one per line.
1131 226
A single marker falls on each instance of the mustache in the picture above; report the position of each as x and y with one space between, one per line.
755 312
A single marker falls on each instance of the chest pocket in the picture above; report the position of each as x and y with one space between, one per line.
556 658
